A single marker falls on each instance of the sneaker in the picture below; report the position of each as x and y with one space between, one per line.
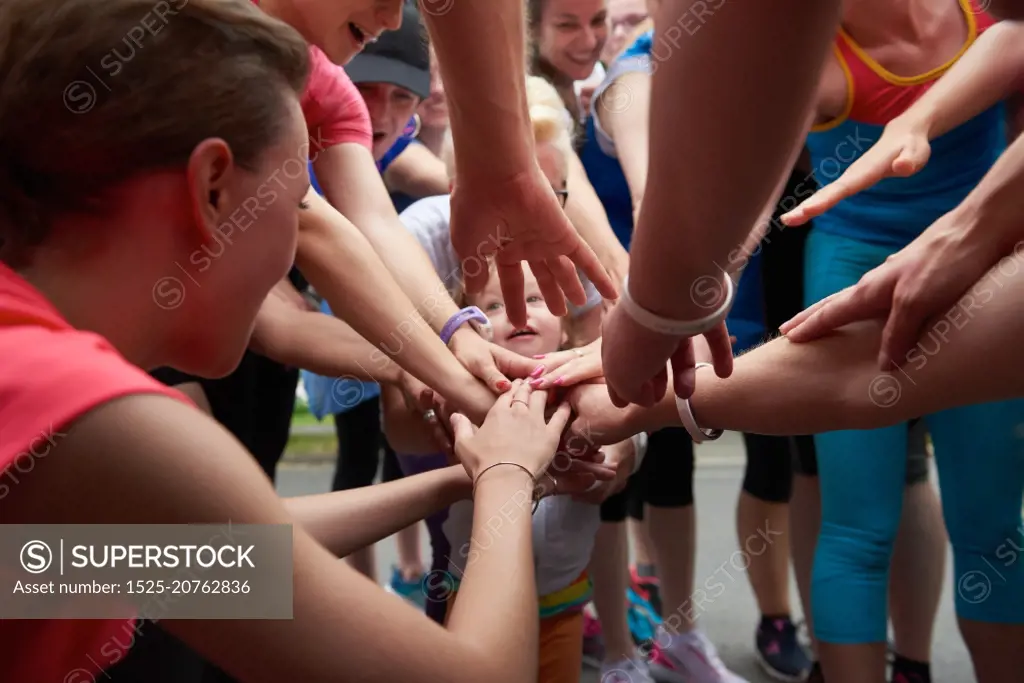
626 671
410 590
648 588
593 642
691 658
779 652
641 618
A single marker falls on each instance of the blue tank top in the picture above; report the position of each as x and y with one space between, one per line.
896 210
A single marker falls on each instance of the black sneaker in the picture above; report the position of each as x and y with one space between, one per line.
780 654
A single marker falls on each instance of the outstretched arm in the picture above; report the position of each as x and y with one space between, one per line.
171 465
989 72
834 383
417 173
319 343
693 216
345 269
382 509
502 204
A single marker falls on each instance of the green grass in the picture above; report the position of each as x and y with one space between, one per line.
310 444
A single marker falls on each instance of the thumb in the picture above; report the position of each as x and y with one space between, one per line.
912 158
462 427
510 364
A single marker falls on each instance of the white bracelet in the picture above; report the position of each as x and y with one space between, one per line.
677 328
640 448
696 432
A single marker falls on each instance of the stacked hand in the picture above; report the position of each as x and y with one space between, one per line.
921 281
635 360
517 431
515 220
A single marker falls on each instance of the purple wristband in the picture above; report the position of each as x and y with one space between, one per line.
468 314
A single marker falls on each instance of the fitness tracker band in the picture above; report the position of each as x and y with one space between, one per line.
677 328
697 433
472 315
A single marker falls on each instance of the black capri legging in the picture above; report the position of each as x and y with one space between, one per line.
360 440
666 477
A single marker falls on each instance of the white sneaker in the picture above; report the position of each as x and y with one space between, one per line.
626 671
690 658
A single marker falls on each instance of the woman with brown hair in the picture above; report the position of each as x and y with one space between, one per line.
96 207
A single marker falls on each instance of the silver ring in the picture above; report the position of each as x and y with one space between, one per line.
429 415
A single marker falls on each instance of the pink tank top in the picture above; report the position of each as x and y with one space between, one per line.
50 375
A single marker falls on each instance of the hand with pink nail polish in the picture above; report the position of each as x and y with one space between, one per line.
566 368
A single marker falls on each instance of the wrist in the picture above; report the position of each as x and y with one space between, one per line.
502 477
459 485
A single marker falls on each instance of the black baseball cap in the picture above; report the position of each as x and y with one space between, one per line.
399 57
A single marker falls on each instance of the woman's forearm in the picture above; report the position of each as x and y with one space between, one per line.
994 210
989 72
417 173
406 432
343 267
319 343
968 355
353 186
481 50
501 539
345 521
714 164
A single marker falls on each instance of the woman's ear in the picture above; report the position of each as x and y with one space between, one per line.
209 173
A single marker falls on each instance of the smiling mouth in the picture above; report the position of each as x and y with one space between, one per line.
526 332
361 37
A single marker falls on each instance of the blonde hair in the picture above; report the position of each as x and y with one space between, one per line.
551 122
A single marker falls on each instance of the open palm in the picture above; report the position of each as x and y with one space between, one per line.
516 220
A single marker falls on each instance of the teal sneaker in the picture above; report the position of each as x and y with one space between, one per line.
411 590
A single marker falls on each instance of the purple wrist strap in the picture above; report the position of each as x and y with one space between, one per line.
471 313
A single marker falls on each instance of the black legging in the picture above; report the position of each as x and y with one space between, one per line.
666 477
360 440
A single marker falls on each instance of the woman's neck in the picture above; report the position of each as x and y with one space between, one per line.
877 22
97 297
433 139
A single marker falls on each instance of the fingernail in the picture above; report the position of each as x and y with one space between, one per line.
535 383
537 371
538 357
558 382
504 385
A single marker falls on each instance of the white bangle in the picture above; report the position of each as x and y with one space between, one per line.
696 432
640 449
677 328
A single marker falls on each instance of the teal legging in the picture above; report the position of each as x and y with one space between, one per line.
979 452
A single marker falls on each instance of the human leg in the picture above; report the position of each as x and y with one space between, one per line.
359 441
980 457
918 561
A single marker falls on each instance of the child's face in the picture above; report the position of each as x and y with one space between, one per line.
543 331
